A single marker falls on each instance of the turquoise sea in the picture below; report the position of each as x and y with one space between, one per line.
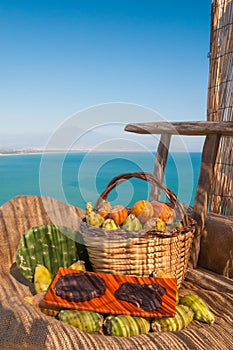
79 177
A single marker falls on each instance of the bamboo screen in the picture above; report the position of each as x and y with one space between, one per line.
220 101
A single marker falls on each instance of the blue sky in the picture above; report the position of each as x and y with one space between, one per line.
59 57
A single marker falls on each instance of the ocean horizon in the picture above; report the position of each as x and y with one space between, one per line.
79 177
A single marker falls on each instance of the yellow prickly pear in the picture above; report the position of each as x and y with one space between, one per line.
160 225
42 278
155 224
89 208
93 219
78 265
109 224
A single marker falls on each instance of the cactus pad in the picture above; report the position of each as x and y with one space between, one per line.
49 245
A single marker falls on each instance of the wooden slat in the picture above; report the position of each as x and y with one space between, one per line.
182 128
160 164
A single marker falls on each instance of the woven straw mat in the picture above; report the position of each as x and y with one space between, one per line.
24 327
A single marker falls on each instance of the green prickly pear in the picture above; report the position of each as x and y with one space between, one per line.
175 224
125 326
178 224
132 223
182 318
86 321
199 307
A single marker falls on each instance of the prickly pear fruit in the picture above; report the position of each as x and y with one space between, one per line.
42 278
164 211
109 224
104 209
150 224
89 208
86 321
175 224
93 219
126 326
155 224
183 316
160 225
132 223
118 213
143 209
78 265
199 307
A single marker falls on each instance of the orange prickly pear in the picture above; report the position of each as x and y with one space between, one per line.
104 209
118 213
143 209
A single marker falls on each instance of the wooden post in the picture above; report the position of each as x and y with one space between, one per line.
213 131
160 164
209 154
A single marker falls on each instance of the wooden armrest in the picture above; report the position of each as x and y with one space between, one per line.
182 128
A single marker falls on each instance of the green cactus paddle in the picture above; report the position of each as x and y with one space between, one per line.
48 245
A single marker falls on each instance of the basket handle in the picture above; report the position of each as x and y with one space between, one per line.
117 180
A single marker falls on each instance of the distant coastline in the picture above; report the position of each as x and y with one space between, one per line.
15 153
80 150
30 152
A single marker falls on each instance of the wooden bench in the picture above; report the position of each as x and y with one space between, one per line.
212 131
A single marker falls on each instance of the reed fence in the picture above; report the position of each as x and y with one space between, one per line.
220 102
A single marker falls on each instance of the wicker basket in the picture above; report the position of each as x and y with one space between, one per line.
140 253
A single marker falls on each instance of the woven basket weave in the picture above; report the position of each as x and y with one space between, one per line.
143 252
